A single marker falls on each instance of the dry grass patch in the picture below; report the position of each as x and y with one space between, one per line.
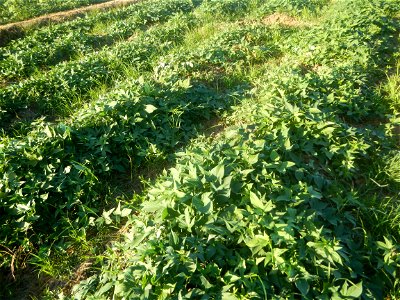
284 20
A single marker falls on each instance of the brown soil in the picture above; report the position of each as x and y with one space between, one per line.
15 30
284 20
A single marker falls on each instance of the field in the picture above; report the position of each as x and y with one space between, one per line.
203 149
18 10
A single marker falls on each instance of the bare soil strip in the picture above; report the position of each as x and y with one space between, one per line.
15 30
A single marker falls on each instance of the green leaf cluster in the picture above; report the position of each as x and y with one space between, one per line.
271 209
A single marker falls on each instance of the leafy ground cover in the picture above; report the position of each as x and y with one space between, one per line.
107 126
89 124
18 10
51 45
53 93
296 198
271 207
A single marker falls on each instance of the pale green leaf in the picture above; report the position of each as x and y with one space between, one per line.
355 291
255 201
150 108
258 241
219 171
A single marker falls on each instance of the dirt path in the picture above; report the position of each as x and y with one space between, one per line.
15 30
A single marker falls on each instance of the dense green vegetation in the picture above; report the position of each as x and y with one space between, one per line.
18 10
51 45
294 195
271 207
57 92
50 92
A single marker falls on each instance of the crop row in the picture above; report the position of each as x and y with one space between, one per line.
53 171
271 209
52 45
293 7
16 10
51 92
48 35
